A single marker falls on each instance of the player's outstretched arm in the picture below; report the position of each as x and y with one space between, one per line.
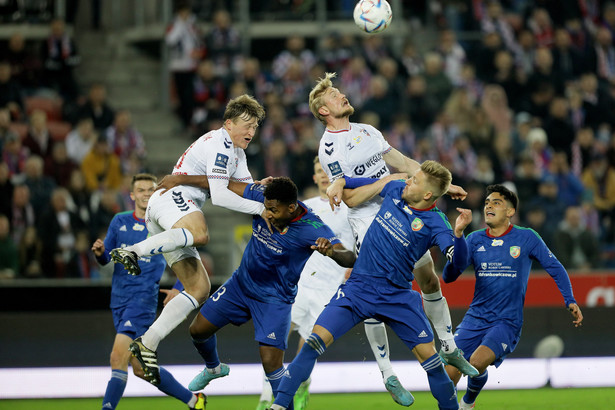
337 252
576 313
400 162
359 190
200 181
457 192
458 255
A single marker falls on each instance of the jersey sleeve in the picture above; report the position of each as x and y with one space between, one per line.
110 242
254 192
394 188
242 173
540 252
384 145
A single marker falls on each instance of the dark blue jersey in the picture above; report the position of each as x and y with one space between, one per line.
502 267
126 229
272 262
399 236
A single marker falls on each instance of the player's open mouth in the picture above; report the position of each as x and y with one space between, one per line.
490 213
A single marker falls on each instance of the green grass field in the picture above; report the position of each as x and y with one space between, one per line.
539 399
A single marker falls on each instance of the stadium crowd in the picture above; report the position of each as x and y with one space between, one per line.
527 100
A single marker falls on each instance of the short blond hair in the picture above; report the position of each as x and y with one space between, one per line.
244 105
438 177
316 95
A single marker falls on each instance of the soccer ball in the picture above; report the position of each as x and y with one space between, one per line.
372 16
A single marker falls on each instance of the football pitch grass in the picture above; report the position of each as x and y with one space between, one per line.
538 399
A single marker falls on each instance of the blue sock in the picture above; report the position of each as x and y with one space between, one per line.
275 378
208 350
115 389
475 385
171 387
299 370
441 386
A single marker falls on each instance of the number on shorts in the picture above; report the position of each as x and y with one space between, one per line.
219 293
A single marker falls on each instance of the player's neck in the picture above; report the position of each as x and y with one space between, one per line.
336 124
500 229
140 213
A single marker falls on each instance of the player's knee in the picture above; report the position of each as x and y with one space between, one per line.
201 237
117 360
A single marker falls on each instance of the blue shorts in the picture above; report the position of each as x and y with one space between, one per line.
363 297
132 320
229 304
501 338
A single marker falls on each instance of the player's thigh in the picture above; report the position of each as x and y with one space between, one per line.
403 312
172 210
482 357
190 272
335 320
226 305
196 224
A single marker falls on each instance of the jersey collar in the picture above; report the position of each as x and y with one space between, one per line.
301 214
426 209
134 215
338 131
491 236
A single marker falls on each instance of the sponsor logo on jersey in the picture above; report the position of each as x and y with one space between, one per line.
481 249
123 228
417 224
497 242
335 168
387 215
221 160
330 146
219 171
138 227
374 160
515 251
180 202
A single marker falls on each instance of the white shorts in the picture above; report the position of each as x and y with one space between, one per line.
359 228
163 211
308 305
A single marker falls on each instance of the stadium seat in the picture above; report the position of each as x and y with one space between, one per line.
58 129
52 106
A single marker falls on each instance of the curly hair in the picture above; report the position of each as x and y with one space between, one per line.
281 189
508 195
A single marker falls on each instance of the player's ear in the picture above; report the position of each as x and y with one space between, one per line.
323 110
428 195
510 212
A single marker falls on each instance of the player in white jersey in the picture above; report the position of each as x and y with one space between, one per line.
177 224
360 150
319 279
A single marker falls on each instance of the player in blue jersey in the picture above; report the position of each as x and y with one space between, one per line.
502 256
405 227
264 286
134 299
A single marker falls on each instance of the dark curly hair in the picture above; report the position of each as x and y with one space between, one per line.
509 195
281 189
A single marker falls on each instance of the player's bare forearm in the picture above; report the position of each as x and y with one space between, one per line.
171 181
462 222
400 162
355 197
337 252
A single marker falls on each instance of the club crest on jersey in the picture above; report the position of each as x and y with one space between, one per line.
497 242
221 160
483 265
407 209
335 168
387 215
284 231
138 227
417 224
515 251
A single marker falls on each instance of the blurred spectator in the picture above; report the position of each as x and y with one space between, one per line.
381 102
22 214
96 108
108 206
567 61
582 150
210 96
494 21
276 161
575 246
419 105
596 103
82 263
483 172
80 195
59 166
293 87
30 253
545 76
484 55
569 186
223 45
541 26
547 199
473 86
460 109
443 133
538 148
481 132
527 178
334 53
354 80
81 140
536 218
495 105
60 57
523 125
374 49
11 94
402 136
184 40
411 60
503 158
575 101
601 59
25 65
57 229
125 140
525 54
6 190
14 155
38 139
5 127
257 83
599 178
277 126
437 83
9 255
506 76
463 158
560 132
101 167
453 55
39 184
295 52
388 68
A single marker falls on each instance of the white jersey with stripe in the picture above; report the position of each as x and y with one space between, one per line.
356 152
320 272
214 155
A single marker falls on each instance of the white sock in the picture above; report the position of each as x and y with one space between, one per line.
166 241
171 316
437 311
192 401
378 341
214 370
277 407
266 393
